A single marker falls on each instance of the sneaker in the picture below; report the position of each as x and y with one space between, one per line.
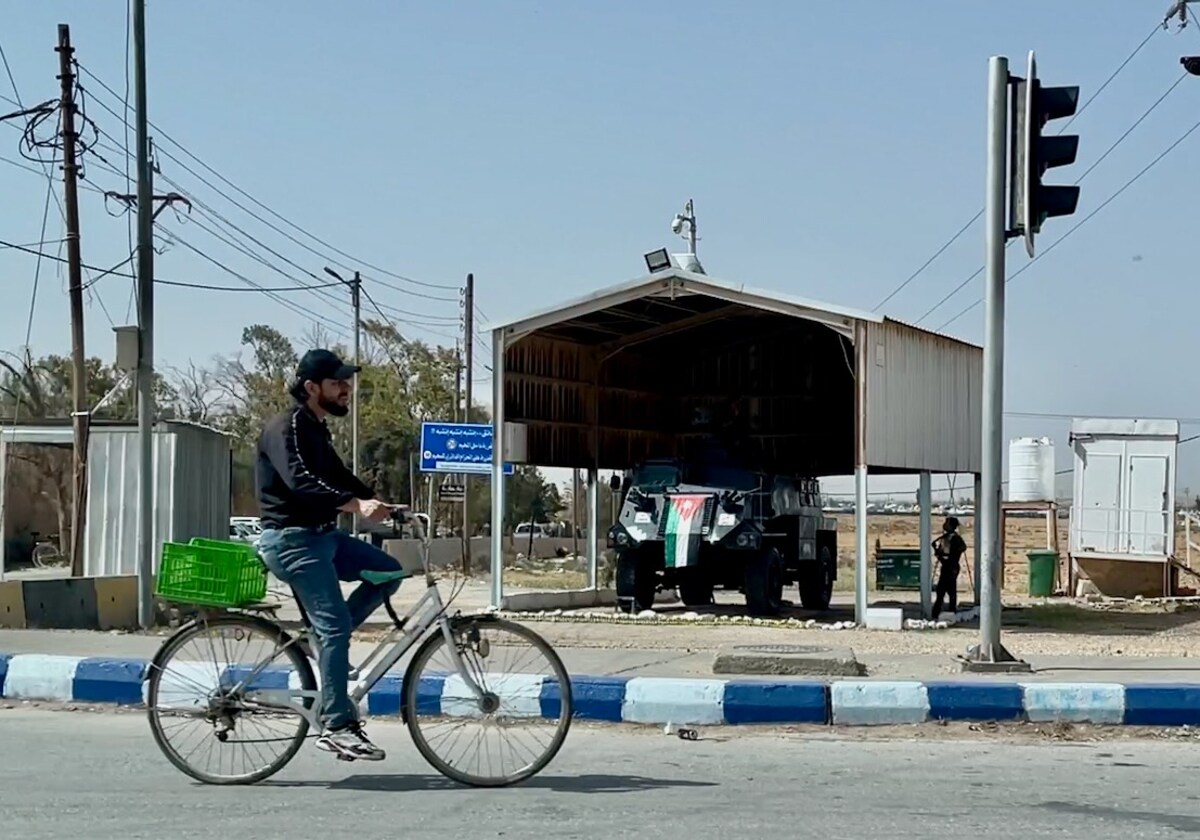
350 743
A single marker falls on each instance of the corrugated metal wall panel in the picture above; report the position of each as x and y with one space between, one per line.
924 401
191 475
201 497
113 478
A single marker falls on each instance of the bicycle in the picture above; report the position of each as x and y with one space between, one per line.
461 694
46 553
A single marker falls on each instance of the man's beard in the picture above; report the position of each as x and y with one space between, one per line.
333 407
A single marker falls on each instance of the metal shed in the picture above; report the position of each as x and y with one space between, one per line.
192 478
613 377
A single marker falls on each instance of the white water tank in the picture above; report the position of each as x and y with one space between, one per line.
1030 470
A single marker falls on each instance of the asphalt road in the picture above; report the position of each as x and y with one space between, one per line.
99 775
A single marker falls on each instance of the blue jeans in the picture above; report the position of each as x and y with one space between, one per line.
312 562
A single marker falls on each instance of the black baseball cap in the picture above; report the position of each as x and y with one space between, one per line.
319 365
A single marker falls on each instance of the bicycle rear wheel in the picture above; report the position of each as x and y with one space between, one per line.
531 698
202 721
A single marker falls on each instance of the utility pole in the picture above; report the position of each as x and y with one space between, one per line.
145 288
355 286
356 305
459 414
458 373
469 355
80 413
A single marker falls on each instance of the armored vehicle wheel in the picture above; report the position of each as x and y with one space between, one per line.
635 582
696 588
816 581
764 583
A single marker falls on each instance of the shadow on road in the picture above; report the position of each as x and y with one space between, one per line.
561 784
1178 822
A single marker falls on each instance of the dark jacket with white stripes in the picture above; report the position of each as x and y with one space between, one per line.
301 480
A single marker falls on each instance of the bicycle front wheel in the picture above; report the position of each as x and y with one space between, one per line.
201 714
521 719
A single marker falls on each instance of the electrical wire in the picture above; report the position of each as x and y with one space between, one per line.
48 173
160 132
977 216
1049 415
128 180
30 141
1085 219
319 290
1078 181
158 280
412 318
212 212
390 321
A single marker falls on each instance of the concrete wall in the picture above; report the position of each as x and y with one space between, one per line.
89 603
445 553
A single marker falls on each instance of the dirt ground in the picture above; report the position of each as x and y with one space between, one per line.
1022 534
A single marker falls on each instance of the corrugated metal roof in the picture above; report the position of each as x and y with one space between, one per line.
678 282
916 328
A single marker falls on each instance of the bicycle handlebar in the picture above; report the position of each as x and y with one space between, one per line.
407 517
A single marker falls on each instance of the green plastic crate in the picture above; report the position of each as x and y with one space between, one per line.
211 573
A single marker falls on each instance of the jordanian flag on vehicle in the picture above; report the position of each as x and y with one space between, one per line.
685 517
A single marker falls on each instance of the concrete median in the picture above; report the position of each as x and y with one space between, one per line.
685 701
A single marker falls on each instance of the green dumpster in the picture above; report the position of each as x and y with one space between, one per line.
1042 567
898 569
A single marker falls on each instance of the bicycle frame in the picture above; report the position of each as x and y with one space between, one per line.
427 612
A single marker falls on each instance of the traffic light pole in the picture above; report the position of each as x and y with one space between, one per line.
1032 202
991 655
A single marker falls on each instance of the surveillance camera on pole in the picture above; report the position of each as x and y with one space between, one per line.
1032 201
686 219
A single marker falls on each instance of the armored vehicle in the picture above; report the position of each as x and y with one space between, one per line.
699 523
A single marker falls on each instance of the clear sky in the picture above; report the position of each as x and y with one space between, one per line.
831 148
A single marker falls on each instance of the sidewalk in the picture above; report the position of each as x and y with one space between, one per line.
1130 665
691 662
631 698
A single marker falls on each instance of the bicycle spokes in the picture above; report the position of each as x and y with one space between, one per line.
496 718
207 701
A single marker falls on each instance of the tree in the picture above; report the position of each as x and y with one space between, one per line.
41 390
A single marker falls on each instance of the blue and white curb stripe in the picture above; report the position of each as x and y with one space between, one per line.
658 700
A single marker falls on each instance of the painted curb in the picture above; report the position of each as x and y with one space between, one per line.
660 700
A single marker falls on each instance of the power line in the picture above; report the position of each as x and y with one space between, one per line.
391 321
254 287
976 217
1084 220
319 290
424 320
1078 180
47 171
260 204
212 288
129 185
929 261
1049 415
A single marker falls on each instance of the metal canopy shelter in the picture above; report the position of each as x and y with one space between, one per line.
818 389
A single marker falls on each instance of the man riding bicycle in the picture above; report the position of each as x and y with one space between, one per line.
302 484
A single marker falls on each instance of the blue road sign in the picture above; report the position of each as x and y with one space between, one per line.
457 448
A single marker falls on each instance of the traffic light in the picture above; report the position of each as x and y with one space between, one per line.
1033 201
